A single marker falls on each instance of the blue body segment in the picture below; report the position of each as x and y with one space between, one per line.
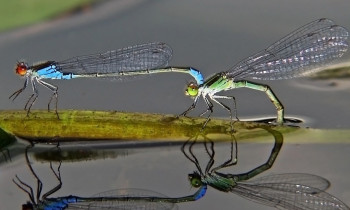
60 203
201 193
197 76
51 72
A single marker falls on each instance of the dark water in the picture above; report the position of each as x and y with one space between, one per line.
209 35
90 168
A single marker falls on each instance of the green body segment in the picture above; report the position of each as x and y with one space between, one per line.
220 182
218 82
264 88
221 82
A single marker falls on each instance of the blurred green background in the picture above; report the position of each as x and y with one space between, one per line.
16 13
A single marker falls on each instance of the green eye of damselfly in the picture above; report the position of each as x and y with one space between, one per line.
195 180
192 89
196 183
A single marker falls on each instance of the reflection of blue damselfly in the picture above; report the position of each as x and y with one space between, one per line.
306 50
115 199
287 191
123 63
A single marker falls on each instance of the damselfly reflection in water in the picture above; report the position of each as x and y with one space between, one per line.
287 191
306 50
114 199
281 190
145 59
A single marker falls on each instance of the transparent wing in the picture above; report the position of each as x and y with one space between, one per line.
288 196
310 180
306 50
139 57
126 204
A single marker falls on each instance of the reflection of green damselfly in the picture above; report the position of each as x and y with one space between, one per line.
287 191
303 51
115 199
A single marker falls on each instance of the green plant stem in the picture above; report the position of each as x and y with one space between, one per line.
94 125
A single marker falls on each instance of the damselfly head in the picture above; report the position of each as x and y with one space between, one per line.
192 89
195 180
21 68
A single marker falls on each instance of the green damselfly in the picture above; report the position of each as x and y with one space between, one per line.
306 50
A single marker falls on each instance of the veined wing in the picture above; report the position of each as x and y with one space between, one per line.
310 180
139 57
289 196
306 50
